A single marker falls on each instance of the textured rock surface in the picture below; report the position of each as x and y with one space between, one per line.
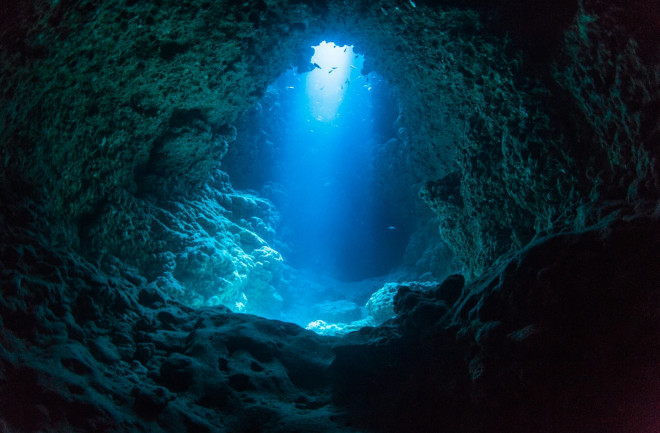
81 351
114 117
110 100
562 150
134 90
562 338
212 249
130 107
381 305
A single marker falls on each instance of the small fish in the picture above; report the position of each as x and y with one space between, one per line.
391 228
334 67
412 3
353 67
316 66
330 71
345 49
290 87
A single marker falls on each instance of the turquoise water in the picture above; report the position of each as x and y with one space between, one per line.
334 222
323 129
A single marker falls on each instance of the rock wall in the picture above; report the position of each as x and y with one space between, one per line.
91 352
119 113
213 249
120 107
560 338
562 139
113 114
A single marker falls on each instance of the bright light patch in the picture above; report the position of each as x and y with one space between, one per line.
334 69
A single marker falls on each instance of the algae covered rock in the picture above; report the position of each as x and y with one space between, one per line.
382 305
207 250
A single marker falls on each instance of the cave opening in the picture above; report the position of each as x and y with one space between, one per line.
311 146
130 239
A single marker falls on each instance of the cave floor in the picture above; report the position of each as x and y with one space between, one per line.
561 338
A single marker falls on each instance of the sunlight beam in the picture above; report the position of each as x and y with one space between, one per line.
334 67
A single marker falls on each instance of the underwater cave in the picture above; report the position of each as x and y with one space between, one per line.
309 145
316 146
330 216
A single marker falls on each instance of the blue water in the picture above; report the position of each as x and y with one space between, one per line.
328 124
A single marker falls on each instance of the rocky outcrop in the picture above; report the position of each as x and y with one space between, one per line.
83 351
119 92
118 116
557 151
212 249
136 99
561 338
114 117
381 305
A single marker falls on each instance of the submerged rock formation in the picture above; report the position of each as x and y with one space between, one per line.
82 351
531 131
